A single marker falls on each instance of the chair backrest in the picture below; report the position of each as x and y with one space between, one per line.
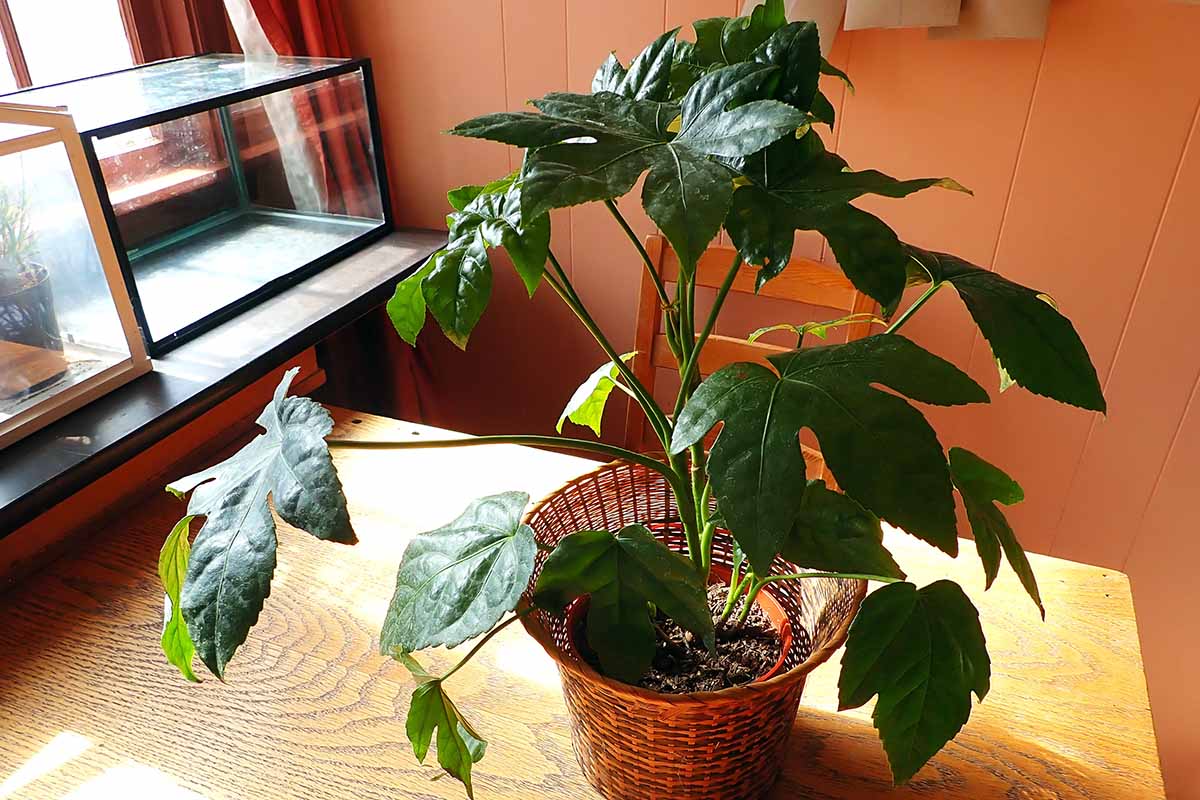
804 280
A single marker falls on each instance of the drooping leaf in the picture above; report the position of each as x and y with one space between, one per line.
981 486
595 147
795 49
833 533
456 582
881 449
1034 344
459 746
172 570
586 406
832 71
233 558
795 184
822 110
923 652
623 574
406 308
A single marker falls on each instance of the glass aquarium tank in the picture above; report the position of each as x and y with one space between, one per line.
68 331
226 178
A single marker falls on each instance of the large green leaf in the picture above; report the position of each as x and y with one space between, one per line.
233 558
458 745
586 406
796 50
981 486
795 184
623 574
923 652
1033 343
881 450
172 570
456 282
722 40
595 147
648 76
456 582
833 533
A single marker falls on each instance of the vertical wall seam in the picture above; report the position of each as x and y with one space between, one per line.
1125 325
569 267
1162 470
1012 181
504 72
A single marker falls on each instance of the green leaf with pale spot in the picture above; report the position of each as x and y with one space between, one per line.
459 746
456 582
586 406
172 571
881 449
981 486
922 651
623 575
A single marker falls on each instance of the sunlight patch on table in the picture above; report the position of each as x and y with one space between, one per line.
58 751
132 781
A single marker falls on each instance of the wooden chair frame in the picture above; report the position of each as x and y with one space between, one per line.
804 280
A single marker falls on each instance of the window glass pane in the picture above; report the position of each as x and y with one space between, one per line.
67 39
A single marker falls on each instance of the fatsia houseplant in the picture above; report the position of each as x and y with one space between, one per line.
725 133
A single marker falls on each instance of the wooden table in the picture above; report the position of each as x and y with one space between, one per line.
88 708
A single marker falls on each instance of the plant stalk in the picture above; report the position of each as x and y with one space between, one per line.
523 612
920 301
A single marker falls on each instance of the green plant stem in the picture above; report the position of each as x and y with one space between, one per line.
523 612
693 362
736 587
920 301
612 451
562 285
659 287
758 583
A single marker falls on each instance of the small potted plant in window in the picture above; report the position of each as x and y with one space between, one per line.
28 325
686 596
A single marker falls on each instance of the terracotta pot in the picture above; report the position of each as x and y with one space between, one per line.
635 744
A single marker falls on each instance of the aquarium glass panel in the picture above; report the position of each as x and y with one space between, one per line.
58 323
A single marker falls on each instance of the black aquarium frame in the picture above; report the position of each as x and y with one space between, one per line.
157 347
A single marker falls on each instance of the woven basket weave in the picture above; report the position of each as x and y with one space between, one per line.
635 744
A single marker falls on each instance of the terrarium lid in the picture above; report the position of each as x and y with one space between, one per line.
147 90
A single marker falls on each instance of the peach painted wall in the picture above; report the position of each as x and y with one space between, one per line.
1083 154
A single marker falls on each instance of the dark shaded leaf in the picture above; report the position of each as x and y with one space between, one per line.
722 40
1033 343
795 49
881 450
609 75
822 110
981 486
649 75
623 574
832 71
833 533
458 745
172 569
923 652
233 558
456 582
586 406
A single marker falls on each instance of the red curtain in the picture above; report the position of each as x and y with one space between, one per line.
367 366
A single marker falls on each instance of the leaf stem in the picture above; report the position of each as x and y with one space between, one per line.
693 361
485 640
659 287
612 451
920 301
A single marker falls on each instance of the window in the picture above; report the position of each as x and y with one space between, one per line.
49 41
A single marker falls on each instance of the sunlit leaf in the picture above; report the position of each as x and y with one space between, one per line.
586 406
172 571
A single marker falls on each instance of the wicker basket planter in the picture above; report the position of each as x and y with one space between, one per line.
635 744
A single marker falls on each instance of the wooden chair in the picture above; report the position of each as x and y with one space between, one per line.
804 280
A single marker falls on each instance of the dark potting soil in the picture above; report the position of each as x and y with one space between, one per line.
683 664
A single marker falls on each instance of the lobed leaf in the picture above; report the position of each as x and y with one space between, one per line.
981 486
622 575
1034 344
456 582
586 406
459 746
172 571
881 449
922 651
833 533
233 558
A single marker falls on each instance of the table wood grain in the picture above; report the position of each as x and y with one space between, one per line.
89 709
